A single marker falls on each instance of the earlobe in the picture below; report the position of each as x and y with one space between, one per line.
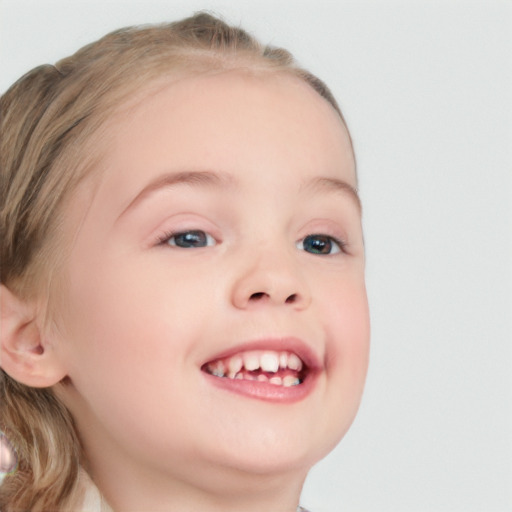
24 355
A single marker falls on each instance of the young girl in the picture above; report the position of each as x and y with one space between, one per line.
184 316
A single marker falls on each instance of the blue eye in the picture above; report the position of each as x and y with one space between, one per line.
190 239
321 244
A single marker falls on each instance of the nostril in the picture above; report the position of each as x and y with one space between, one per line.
258 296
262 297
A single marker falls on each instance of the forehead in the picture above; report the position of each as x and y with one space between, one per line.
247 124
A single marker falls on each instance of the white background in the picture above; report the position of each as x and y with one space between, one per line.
426 87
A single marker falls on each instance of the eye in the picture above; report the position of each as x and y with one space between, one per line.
321 244
189 239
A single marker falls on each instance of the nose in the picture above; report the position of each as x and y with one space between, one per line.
272 279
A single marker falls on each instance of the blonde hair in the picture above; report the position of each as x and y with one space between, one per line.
47 120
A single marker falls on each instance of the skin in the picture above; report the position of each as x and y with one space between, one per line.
139 316
7 456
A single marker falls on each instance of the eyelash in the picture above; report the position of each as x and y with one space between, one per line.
341 244
329 239
166 237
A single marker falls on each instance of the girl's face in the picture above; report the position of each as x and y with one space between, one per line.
222 248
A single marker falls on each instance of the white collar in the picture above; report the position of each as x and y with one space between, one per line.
93 501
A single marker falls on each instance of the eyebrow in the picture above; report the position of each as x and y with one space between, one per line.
224 180
321 184
168 180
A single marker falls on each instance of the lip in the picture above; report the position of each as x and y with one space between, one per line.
264 390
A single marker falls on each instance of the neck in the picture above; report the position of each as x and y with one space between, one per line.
219 491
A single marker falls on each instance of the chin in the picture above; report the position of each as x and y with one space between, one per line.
266 451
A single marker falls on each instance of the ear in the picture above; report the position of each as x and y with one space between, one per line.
25 355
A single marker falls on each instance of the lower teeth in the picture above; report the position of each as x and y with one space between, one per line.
287 381
276 380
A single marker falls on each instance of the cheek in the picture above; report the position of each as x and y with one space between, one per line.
127 347
349 337
102 322
134 320
345 315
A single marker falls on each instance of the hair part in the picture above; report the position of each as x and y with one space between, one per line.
50 120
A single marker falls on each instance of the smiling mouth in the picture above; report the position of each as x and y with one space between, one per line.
278 368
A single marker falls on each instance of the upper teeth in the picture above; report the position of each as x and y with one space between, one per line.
267 361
